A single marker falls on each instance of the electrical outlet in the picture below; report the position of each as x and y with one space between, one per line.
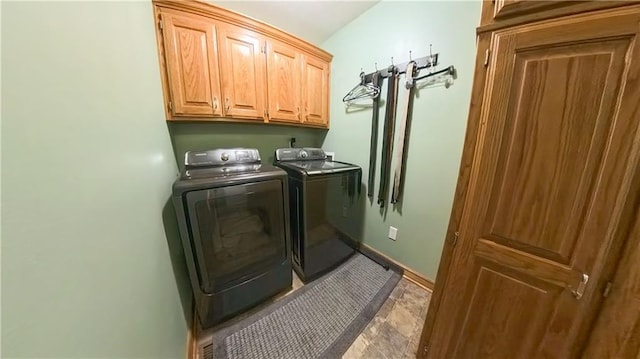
393 233
331 156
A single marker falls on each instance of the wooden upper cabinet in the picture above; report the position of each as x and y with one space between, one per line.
315 91
548 199
283 85
243 72
192 65
217 63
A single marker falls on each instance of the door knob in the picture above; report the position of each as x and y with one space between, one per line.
579 292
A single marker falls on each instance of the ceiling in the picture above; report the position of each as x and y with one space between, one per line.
313 21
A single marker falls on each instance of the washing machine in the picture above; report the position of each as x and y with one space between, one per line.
233 218
326 209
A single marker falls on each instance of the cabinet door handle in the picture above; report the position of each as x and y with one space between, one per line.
579 292
299 117
226 104
215 103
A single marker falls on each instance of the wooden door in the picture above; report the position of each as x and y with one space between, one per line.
192 65
242 66
315 91
283 84
555 154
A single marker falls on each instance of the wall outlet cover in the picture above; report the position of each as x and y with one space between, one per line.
393 233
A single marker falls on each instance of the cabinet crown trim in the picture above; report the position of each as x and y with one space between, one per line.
231 17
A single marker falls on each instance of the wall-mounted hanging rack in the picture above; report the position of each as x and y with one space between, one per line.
421 63
369 88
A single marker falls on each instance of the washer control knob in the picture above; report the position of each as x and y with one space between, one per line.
224 156
304 154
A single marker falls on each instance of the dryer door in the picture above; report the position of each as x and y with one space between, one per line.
238 232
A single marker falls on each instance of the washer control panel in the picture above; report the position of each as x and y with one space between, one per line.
221 157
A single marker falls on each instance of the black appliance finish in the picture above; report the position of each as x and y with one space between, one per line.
325 209
234 225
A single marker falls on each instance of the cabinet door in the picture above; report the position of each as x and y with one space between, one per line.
315 91
242 66
556 154
192 65
283 85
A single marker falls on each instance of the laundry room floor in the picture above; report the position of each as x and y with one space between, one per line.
394 333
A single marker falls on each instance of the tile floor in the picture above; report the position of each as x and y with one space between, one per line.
394 333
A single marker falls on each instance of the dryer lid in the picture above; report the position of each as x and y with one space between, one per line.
319 167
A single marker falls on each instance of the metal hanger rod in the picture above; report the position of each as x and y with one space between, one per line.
421 63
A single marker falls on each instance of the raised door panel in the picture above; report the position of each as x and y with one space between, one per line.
553 146
529 300
242 72
283 85
315 91
192 65
551 174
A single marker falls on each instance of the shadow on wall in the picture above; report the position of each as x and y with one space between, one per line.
188 136
178 261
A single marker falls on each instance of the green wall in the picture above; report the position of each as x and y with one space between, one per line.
187 136
392 29
87 167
